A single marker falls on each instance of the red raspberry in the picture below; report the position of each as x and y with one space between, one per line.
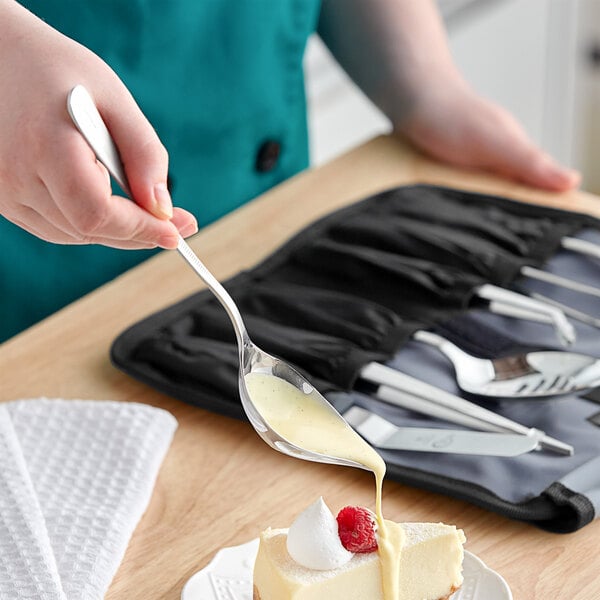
356 528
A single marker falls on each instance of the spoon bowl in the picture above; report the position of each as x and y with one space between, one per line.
252 359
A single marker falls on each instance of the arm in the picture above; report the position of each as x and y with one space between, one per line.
397 53
50 182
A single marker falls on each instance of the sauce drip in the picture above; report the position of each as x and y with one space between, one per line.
303 421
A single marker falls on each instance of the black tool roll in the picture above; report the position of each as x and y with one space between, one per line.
351 289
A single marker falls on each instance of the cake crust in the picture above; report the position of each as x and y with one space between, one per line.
256 593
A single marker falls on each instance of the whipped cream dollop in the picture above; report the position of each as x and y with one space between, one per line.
313 539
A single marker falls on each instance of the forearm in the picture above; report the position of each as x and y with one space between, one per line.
395 50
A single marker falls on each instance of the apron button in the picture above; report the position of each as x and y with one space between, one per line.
267 156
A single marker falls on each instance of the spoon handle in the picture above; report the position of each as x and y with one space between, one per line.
221 294
437 341
88 120
457 356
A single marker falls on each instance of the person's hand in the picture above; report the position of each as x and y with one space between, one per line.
50 182
398 54
455 125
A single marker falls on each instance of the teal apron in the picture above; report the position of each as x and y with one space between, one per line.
222 83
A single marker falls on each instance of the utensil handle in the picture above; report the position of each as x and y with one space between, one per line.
221 294
515 312
386 376
558 280
430 400
571 312
418 404
446 347
87 119
581 246
382 433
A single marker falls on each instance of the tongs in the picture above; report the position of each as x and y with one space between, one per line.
512 304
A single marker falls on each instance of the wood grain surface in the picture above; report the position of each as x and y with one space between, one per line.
220 485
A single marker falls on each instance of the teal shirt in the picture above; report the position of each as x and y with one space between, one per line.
219 80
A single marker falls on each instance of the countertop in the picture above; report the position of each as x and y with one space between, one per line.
220 485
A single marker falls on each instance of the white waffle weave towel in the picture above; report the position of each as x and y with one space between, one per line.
75 478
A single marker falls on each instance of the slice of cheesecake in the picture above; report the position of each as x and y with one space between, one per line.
430 569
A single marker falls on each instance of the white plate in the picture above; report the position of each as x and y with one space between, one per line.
229 577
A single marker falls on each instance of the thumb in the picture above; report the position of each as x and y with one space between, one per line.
144 158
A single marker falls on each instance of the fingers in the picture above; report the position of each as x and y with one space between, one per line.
505 148
70 200
538 169
466 130
185 222
144 157
51 183
83 196
37 224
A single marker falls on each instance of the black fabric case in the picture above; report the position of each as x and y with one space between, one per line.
351 289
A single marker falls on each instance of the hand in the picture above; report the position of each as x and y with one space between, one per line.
455 125
50 182
397 52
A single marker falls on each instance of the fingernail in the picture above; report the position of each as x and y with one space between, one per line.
162 198
189 229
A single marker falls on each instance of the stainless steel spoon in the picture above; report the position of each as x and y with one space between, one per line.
526 375
252 359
